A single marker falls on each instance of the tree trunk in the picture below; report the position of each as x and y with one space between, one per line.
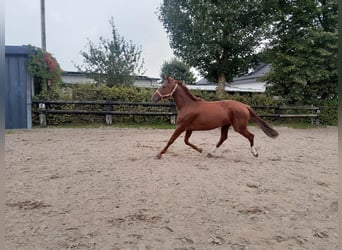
220 91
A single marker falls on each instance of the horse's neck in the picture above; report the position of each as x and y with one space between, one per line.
182 99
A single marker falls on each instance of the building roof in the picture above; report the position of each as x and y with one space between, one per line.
245 83
16 50
258 72
212 87
146 78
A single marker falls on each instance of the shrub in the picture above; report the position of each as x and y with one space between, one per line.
46 72
91 92
329 112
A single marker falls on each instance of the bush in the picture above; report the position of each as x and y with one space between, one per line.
91 92
329 112
102 92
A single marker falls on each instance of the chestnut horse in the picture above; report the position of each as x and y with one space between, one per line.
195 114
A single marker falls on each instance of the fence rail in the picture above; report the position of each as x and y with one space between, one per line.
110 109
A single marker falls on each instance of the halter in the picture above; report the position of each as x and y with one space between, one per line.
167 95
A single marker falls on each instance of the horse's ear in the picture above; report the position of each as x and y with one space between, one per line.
168 78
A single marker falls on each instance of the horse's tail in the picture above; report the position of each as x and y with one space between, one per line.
262 124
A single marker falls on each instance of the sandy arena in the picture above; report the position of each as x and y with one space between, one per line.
103 188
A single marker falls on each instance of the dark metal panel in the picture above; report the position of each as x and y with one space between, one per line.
18 93
16 50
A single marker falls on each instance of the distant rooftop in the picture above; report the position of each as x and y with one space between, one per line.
258 72
16 50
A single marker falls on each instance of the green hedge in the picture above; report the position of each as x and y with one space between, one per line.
329 112
102 92
91 92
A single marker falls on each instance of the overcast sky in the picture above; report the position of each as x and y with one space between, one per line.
69 23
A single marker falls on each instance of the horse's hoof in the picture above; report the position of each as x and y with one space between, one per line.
158 156
200 150
254 152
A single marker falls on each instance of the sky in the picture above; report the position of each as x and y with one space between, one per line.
70 23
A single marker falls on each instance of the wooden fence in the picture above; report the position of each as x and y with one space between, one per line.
108 109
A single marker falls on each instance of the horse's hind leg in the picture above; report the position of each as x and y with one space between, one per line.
250 137
186 141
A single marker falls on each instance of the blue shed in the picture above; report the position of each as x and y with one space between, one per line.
18 87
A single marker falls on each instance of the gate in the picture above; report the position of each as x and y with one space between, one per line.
18 87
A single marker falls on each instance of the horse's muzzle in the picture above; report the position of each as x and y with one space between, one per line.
155 97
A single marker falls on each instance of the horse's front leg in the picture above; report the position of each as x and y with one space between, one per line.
173 137
186 141
224 136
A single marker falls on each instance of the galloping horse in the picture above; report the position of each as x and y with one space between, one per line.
195 114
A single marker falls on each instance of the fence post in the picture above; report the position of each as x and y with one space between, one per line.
315 110
277 111
318 111
312 112
42 115
109 117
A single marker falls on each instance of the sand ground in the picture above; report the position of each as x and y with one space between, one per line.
103 188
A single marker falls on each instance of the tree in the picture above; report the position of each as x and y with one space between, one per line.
220 38
114 62
46 72
303 53
178 70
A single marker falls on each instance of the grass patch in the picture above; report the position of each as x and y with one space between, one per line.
159 125
166 125
303 126
10 131
77 125
143 125
298 125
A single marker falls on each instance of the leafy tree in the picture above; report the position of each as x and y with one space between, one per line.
303 53
46 72
220 38
178 70
114 62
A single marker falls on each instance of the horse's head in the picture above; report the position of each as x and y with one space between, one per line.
166 90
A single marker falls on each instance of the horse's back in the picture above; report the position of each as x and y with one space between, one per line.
230 106
233 111
236 104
